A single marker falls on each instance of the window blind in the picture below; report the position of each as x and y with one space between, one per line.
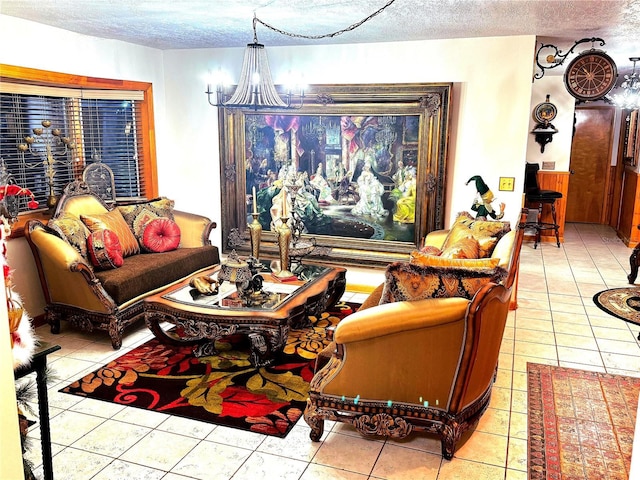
81 126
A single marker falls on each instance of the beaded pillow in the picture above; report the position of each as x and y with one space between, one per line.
410 282
160 235
70 228
137 216
105 250
113 221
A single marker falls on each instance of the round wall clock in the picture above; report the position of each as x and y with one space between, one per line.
591 75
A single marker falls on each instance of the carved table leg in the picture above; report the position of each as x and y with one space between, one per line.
261 354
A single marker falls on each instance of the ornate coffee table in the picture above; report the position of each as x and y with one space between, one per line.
180 315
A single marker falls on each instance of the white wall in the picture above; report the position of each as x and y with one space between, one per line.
559 150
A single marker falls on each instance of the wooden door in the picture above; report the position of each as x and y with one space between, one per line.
590 161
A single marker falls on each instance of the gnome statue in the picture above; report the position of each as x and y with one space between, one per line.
482 203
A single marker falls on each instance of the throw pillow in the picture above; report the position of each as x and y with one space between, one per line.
410 282
424 259
105 250
486 232
114 221
430 250
70 228
467 247
137 216
160 235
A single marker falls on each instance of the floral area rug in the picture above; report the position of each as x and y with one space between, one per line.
224 389
581 423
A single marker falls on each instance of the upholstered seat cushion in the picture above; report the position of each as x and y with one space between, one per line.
143 273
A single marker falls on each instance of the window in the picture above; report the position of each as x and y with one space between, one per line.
49 133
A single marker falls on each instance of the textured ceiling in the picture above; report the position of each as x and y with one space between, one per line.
187 24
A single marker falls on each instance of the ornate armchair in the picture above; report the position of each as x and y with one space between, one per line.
426 365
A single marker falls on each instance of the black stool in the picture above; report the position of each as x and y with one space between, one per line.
534 196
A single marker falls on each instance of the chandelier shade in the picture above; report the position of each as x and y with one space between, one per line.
256 88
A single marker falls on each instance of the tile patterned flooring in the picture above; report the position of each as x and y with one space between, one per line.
556 323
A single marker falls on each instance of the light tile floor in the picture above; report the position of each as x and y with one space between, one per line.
556 323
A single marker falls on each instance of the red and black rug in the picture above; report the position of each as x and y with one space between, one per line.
581 423
224 389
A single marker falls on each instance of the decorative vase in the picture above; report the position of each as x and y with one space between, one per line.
284 237
255 232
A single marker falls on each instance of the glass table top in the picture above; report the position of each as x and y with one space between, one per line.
274 291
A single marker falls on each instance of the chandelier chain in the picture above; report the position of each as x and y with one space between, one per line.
316 37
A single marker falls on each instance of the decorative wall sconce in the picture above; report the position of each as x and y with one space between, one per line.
52 147
553 57
544 130
48 144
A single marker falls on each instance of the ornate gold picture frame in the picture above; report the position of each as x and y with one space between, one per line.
361 169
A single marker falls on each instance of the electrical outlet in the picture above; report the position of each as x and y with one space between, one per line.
506 184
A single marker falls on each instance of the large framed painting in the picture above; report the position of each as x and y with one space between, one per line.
358 171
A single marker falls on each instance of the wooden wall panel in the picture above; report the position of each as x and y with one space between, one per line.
630 209
558 182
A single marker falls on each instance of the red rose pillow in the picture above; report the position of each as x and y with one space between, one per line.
160 235
104 249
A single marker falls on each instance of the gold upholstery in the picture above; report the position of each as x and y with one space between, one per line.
426 365
72 289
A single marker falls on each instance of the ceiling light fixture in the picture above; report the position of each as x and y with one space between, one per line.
628 98
256 89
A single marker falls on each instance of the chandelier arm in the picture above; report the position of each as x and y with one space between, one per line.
316 37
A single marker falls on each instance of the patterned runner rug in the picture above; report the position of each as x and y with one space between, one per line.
581 423
224 389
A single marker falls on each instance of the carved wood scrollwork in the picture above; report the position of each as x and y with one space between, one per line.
431 183
384 425
230 172
431 102
324 99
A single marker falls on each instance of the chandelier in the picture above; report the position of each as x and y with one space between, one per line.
628 97
256 88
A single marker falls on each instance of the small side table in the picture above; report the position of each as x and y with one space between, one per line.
39 365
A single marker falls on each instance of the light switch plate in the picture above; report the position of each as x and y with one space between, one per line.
506 184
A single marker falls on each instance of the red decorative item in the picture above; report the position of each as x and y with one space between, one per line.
161 235
15 190
105 250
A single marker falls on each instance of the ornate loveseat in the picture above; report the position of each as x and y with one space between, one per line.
109 297
422 365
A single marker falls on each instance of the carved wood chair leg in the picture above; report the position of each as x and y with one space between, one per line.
315 421
633 263
115 332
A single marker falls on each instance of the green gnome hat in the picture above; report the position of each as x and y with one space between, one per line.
481 187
